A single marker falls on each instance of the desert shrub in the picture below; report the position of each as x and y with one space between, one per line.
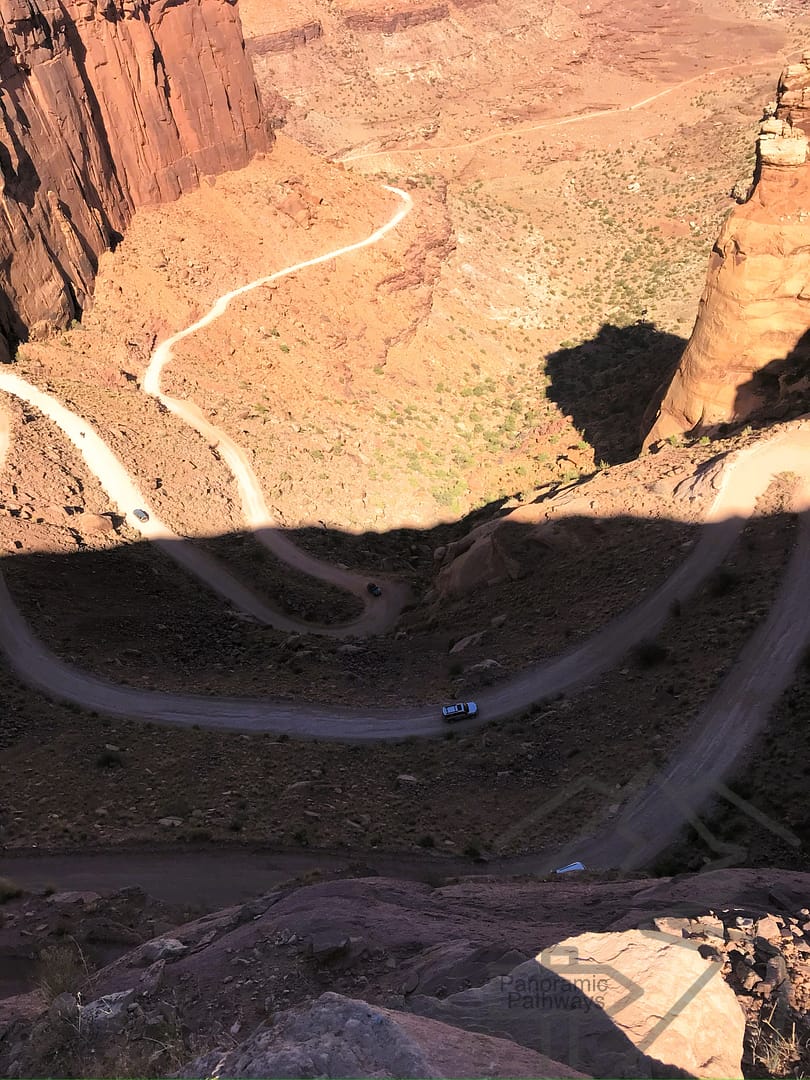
9 890
61 969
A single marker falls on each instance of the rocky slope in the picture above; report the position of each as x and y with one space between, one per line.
751 342
377 977
107 107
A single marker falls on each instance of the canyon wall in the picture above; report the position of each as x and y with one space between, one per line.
287 40
750 346
104 107
390 20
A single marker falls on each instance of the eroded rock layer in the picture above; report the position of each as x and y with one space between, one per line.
105 107
750 346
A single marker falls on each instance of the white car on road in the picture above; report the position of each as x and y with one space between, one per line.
460 711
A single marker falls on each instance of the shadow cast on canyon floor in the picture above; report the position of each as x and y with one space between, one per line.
778 391
130 615
607 384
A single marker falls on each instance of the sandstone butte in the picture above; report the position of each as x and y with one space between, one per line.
106 107
751 338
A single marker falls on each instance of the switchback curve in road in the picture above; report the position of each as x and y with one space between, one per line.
726 724
124 494
650 820
381 612
378 615
738 482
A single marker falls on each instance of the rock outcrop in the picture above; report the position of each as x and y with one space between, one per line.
105 107
336 1036
389 20
505 548
643 979
750 346
293 37
638 1003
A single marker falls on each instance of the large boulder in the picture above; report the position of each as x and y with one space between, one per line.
106 1015
485 562
337 1036
633 1004
508 547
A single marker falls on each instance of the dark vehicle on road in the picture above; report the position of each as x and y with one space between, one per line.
375 590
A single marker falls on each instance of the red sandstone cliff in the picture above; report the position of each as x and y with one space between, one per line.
104 107
751 342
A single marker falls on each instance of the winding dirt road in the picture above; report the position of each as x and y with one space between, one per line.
738 480
648 822
546 125
381 612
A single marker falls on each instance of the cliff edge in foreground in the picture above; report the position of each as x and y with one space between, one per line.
704 975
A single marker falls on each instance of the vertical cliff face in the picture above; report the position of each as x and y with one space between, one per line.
751 343
104 107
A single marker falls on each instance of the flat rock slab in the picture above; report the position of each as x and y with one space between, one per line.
632 1004
337 1036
